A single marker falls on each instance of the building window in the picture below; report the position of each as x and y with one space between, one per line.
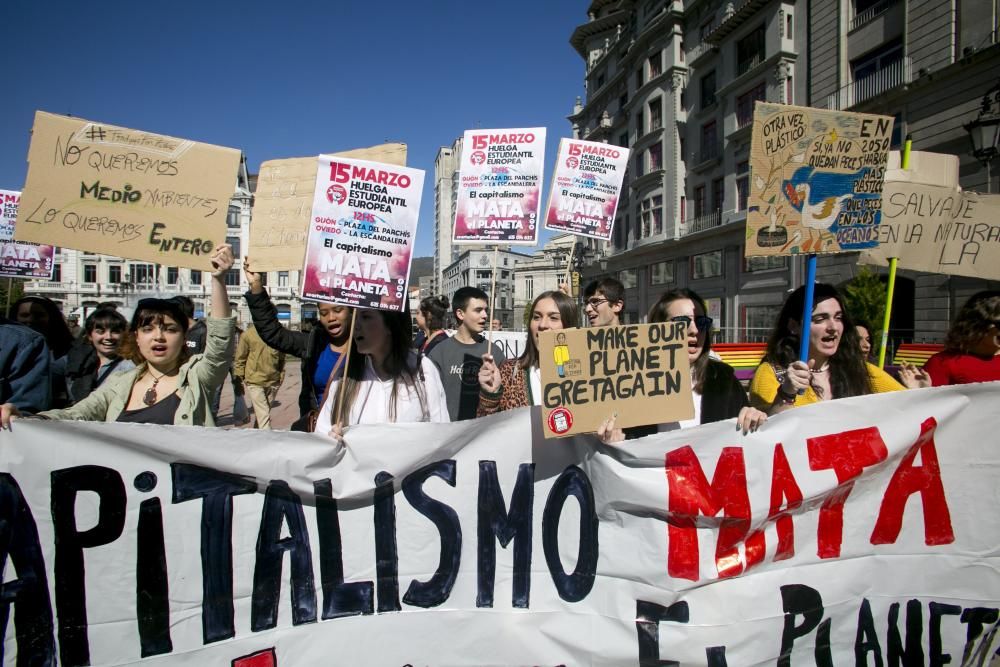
655 65
750 51
718 194
768 263
709 142
629 278
745 104
171 275
699 201
195 277
638 79
233 218
878 71
263 278
623 140
639 126
656 114
600 81
234 241
789 91
655 154
652 215
705 30
57 273
661 273
788 26
742 185
114 274
529 287
758 322
90 273
233 278
142 274
708 90
706 265
282 278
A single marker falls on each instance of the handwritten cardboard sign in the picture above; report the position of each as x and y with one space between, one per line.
364 225
639 372
127 193
500 186
20 260
585 188
283 204
815 180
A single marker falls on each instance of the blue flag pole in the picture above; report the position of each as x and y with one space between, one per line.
807 309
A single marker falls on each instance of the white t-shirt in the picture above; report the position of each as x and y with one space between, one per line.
687 423
371 405
535 383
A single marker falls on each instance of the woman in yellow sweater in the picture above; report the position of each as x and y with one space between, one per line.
836 367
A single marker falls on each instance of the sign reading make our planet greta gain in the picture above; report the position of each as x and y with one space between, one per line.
364 222
637 373
815 180
585 188
128 193
500 186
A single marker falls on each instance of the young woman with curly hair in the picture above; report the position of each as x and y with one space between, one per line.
972 347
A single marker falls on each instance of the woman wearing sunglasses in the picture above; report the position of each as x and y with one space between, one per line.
167 386
717 393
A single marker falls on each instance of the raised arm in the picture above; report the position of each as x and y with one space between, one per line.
265 318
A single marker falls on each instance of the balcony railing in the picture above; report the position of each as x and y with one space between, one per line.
710 150
745 66
872 12
882 81
701 223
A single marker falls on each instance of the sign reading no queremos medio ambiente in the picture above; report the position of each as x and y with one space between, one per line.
815 180
283 201
858 531
20 260
364 225
585 188
500 186
128 193
639 373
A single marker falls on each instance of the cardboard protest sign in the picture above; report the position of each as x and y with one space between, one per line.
20 260
855 531
127 193
282 205
638 372
815 180
500 186
585 188
364 225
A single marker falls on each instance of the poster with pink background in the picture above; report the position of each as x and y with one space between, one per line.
500 186
17 258
585 188
361 233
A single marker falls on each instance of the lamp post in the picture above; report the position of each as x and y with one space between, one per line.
984 131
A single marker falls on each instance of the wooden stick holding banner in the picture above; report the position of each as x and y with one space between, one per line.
893 262
10 290
569 268
341 422
493 291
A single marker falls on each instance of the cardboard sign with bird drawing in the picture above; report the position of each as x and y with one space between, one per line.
815 180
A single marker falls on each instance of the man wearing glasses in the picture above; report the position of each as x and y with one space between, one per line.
603 301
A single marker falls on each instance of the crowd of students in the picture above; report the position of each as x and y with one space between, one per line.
147 370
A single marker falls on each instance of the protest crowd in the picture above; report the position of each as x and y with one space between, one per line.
143 371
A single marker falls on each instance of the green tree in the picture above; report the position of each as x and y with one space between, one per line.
865 299
527 315
11 289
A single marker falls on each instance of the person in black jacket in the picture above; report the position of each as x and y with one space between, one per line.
718 395
319 349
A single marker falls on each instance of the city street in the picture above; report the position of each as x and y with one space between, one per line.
284 411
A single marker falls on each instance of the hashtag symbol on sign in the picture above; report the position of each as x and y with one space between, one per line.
95 133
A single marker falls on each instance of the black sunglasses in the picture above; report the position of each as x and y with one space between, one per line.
701 322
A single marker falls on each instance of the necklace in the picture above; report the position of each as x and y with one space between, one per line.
149 398
822 369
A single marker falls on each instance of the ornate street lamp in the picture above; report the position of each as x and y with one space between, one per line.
984 131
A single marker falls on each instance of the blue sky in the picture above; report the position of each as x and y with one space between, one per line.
290 79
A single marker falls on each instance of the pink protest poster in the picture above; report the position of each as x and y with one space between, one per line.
585 188
19 259
361 233
500 186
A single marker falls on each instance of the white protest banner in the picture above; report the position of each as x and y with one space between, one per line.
364 225
128 193
500 186
816 180
20 260
857 531
585 188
